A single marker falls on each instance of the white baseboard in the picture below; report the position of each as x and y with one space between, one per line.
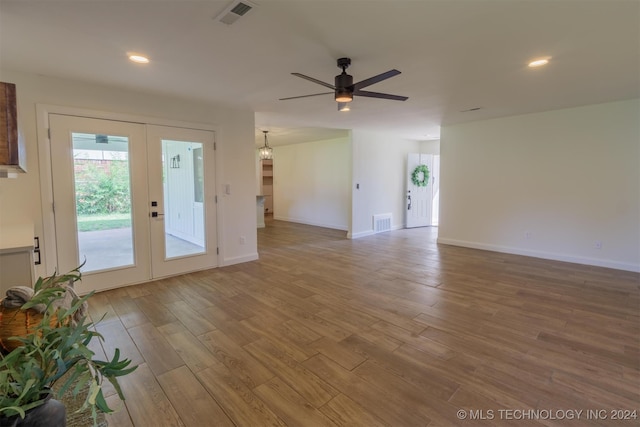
239 259
306 222
371 232
360 234
544 255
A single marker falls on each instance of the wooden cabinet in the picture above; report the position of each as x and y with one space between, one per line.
266 184
12 150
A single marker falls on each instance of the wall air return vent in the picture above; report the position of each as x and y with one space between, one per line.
382 222
234 11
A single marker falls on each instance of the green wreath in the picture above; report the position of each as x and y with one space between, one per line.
415 176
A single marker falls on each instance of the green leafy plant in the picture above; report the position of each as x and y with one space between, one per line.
57 348
101 190
420 176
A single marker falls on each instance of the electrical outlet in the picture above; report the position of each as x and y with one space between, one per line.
243 240
527 235
597 244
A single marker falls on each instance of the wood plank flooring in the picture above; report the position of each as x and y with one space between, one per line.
386 330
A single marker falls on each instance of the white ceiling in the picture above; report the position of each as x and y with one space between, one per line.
454 55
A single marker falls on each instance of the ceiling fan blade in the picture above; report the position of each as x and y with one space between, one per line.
311 79
306 96
380 95
375 79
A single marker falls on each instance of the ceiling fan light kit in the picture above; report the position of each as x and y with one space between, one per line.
344 89
344 82
343 96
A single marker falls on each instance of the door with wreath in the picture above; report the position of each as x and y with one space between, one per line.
420 179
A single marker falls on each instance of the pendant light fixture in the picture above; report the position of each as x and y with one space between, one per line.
265 152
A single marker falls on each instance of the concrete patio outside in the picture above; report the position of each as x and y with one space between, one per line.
105 249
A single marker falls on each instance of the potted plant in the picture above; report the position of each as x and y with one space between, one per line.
53 356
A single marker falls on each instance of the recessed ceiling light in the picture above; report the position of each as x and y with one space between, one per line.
140 59
539 62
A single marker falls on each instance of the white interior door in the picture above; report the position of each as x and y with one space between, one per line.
100 194
132 201
182 200
419 198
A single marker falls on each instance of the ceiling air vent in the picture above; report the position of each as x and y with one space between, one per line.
234 11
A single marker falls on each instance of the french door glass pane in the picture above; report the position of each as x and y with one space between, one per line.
103 200
183 188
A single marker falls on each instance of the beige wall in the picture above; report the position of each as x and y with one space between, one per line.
20 199
380 167
312 183
315 183
430 147
566 178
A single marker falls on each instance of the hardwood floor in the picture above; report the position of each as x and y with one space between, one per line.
386 330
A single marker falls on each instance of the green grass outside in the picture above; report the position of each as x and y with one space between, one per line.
103 222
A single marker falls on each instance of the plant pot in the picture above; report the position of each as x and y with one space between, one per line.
50 414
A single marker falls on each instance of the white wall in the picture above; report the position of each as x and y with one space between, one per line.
568 177
430 147
20 198
312 183
380 168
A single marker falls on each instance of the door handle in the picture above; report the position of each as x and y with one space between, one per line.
409 206
156 214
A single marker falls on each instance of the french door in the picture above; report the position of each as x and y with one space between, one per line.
133 202
182 182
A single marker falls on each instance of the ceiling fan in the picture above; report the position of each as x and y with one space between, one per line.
344 89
